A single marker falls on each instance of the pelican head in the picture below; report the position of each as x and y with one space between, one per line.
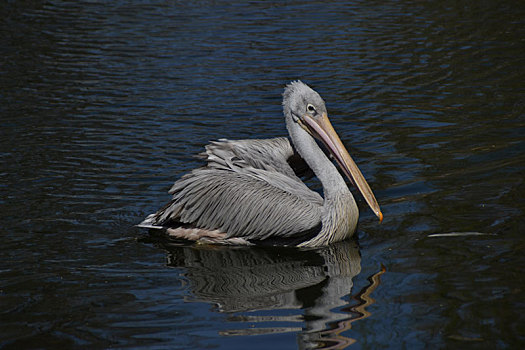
303 107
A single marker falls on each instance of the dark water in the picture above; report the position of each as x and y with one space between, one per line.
103 105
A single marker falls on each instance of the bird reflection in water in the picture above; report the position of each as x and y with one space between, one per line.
332 338
315 281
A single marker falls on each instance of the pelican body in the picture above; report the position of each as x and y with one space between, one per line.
251 192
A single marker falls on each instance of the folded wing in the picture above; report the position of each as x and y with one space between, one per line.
248 189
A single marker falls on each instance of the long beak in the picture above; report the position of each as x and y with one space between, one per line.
323 129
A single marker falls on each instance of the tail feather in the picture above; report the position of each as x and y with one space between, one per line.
149 222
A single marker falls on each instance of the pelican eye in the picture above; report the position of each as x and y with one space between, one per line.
310 108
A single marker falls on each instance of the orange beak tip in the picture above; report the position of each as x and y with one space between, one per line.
380 216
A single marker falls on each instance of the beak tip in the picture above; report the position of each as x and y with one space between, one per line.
380 216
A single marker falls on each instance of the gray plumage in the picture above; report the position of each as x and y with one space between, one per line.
250 191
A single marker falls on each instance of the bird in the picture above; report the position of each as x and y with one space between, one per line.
250 192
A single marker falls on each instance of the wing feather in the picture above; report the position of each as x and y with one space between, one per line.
248 189
240 204
275 154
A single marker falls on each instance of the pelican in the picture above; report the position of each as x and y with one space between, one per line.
250 191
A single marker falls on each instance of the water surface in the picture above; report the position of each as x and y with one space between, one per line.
104 105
